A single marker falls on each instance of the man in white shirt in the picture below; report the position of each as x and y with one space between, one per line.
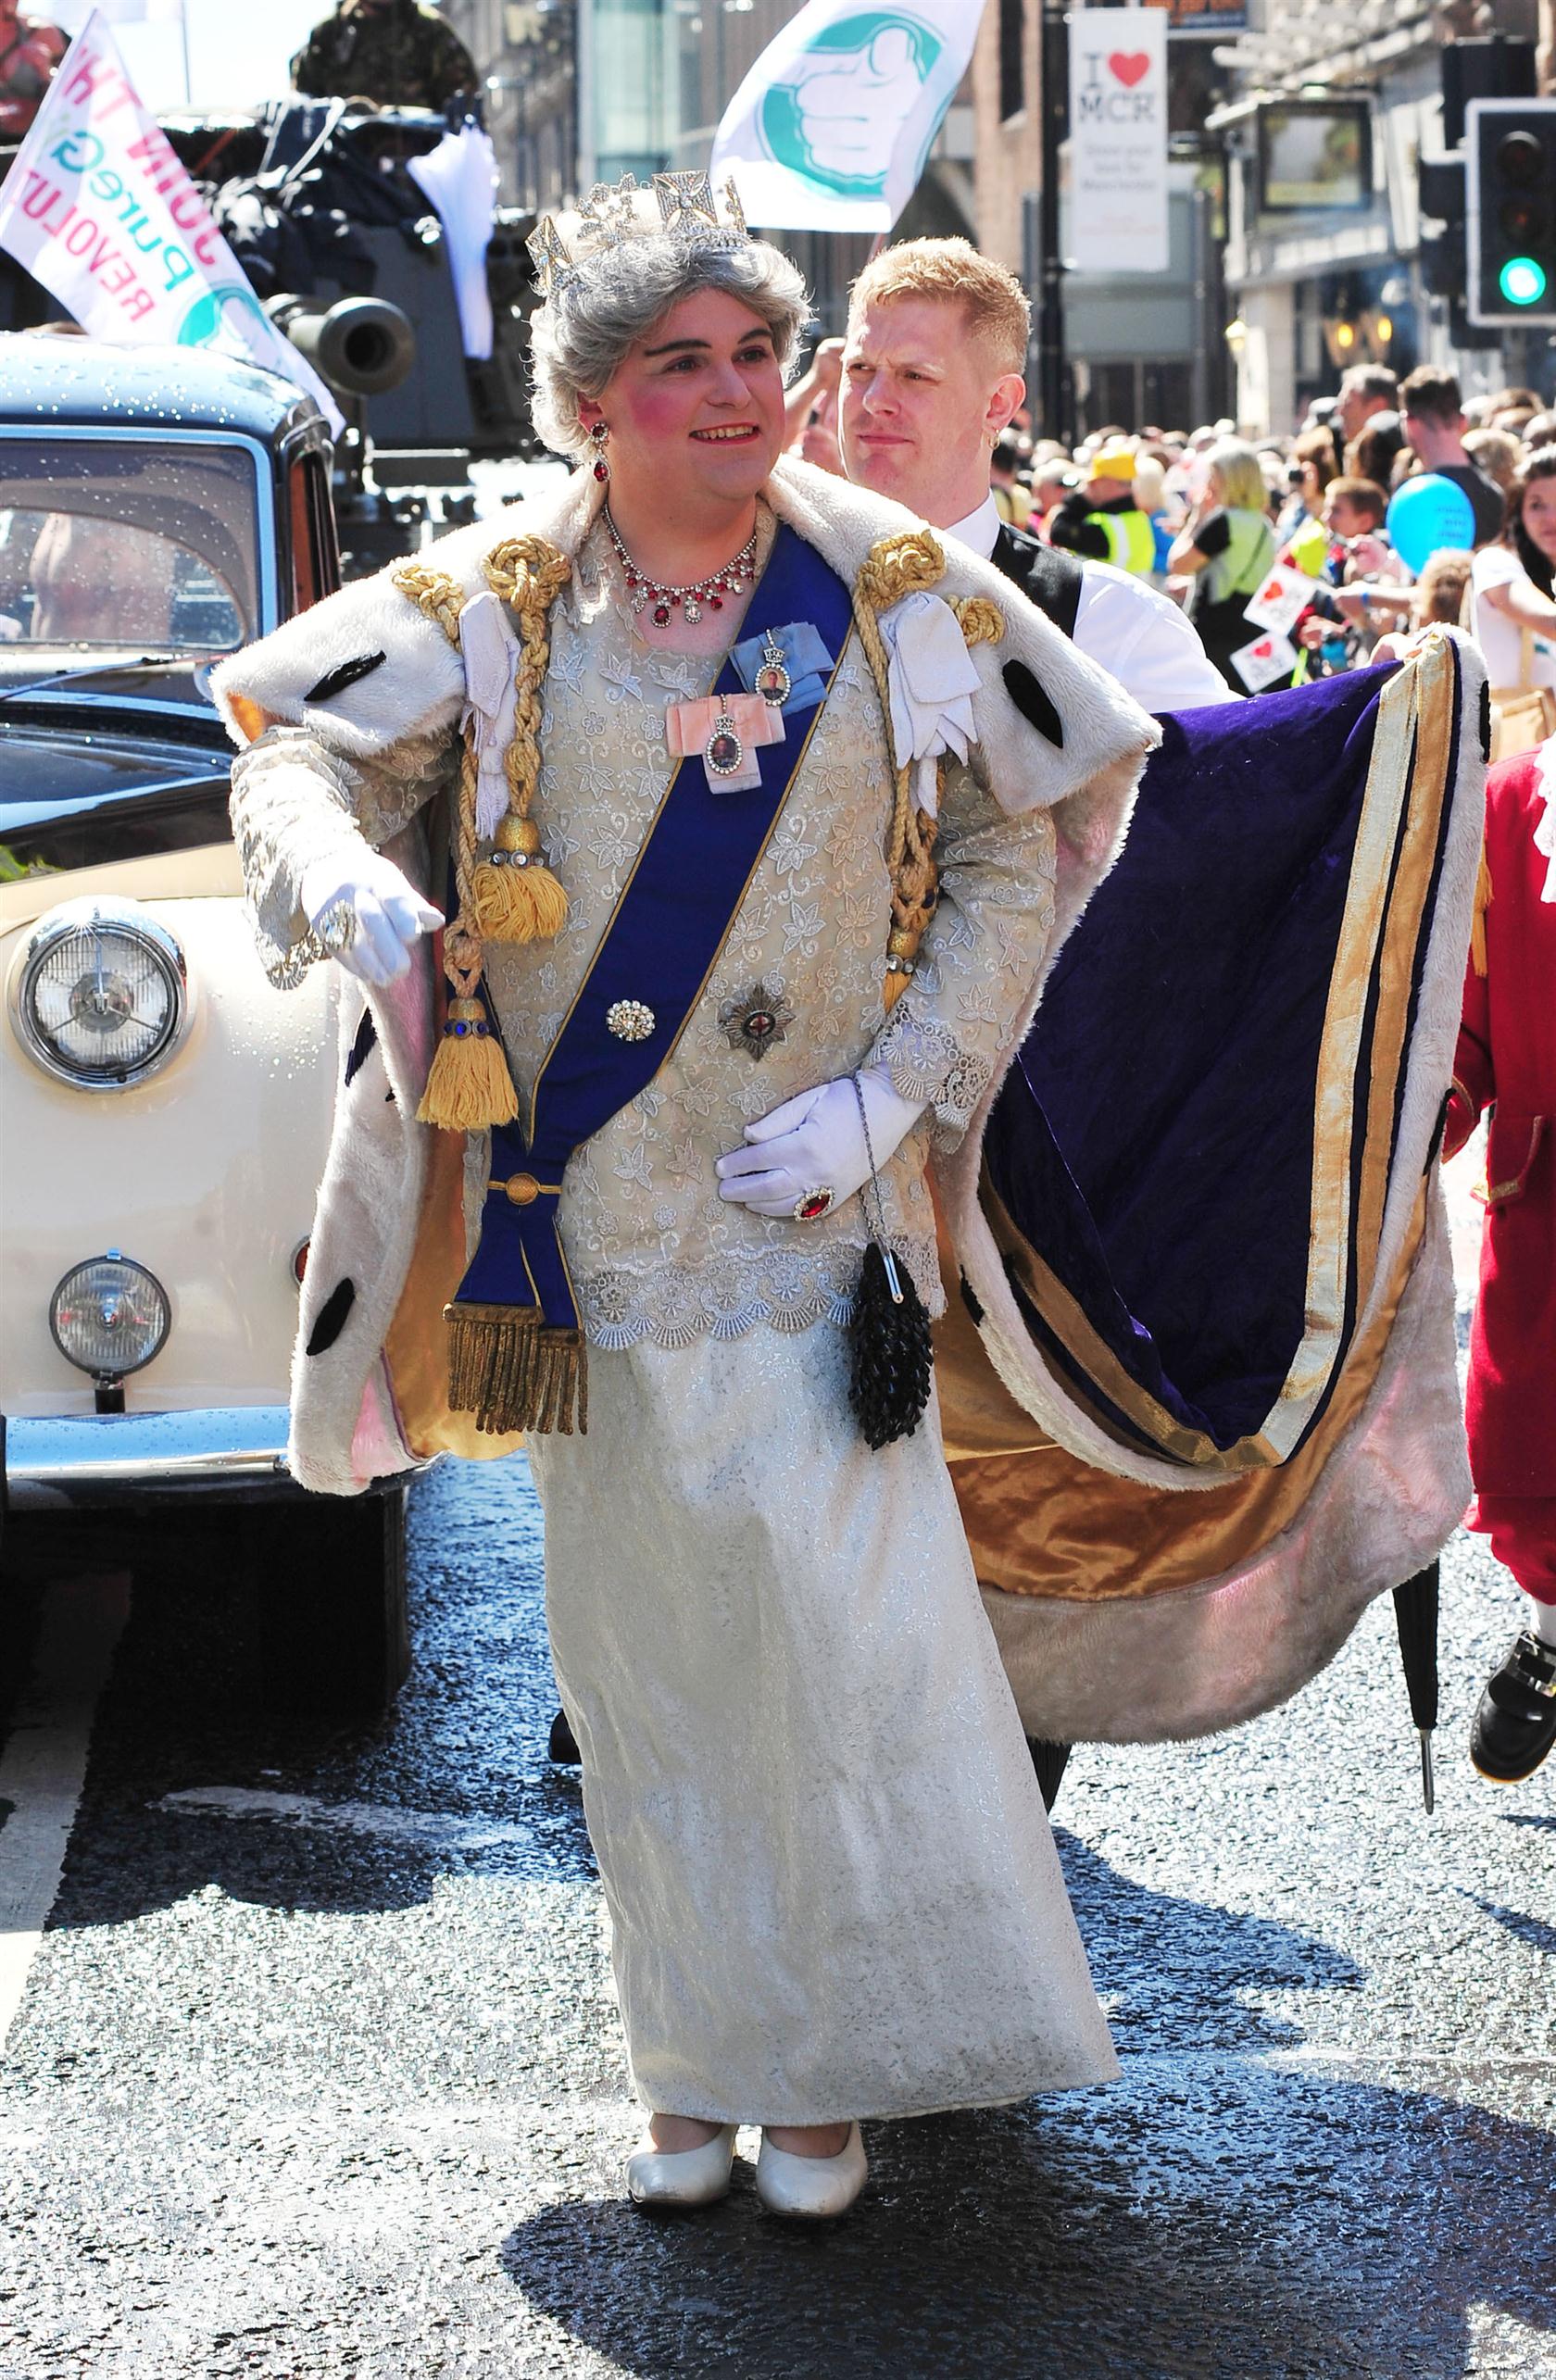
932 374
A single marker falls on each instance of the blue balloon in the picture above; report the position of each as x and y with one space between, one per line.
1427 514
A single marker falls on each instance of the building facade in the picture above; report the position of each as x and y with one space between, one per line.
1142 347
527 53
1335 102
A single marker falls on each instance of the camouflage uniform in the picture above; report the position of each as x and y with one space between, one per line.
403 55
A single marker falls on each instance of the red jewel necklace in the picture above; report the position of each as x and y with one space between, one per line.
643 590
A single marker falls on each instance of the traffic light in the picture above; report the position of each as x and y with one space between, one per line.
1510 242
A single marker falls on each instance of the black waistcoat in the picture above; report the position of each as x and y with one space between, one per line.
1046 575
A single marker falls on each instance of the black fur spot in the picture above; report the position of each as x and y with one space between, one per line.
335 680
970 1299
1486 721
1435 1150
366 1035
1035 705
330 1320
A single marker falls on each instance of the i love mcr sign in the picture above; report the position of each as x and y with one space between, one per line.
1118 141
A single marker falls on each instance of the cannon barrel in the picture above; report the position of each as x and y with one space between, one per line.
361 346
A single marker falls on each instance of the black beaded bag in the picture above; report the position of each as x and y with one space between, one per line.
890 1355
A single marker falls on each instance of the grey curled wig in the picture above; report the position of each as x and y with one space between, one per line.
580 339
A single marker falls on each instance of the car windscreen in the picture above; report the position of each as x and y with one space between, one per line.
125 545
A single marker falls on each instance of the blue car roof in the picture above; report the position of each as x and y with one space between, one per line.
57 379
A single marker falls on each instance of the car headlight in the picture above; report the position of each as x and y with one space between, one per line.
100 995
109 1317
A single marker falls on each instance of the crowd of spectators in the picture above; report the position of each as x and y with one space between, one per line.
1223 512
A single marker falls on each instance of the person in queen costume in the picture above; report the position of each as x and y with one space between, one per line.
748 869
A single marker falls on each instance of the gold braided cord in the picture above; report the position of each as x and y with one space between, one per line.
910 563
441 599
528 574
433 591
982 623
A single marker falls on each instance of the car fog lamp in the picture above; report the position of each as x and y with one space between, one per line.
109 1317
101 998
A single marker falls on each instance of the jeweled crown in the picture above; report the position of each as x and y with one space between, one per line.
611 217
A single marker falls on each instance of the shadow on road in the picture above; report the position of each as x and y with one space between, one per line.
1213 2216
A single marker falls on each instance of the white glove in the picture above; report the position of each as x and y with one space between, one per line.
381 909
815 1143
932 679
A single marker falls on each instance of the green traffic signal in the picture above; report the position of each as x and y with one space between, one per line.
1522 280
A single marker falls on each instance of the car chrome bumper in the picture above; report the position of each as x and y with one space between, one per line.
125 1458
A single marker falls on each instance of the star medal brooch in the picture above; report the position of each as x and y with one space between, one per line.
723 752
772 679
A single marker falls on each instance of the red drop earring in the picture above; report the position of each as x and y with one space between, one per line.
600 433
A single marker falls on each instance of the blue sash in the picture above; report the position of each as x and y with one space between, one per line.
516 1348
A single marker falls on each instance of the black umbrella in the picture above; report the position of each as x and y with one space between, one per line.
1416 1616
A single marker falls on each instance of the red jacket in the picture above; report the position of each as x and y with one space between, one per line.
1506 1064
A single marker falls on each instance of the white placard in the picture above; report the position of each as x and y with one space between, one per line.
1283 599
831 129
1118 140
98 208
1267 659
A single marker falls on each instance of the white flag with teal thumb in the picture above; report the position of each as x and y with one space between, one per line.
831 129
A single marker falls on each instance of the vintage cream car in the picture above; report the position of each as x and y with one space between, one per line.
163 1111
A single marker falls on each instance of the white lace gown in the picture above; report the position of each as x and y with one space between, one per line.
832 1887
831 1882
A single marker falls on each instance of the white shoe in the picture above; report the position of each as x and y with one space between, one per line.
812 2188
682 2177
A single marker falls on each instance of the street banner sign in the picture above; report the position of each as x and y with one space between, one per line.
831 129
98 208
1118 141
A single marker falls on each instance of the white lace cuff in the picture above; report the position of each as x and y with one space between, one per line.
295 801
292 802
926 1062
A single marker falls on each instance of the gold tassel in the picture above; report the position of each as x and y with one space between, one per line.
513 1372
1482 902
470 1086
515 896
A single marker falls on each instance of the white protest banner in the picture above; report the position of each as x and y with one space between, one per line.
1118 141
98 208
1266 660
831 127
1282 600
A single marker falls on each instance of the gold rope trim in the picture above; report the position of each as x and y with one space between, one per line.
982 623
516 896
441 599
910 563
513 1372
1483 898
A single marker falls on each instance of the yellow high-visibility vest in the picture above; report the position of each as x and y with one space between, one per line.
1131 540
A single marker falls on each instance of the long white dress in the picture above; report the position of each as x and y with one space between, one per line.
831 1886
831 1883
